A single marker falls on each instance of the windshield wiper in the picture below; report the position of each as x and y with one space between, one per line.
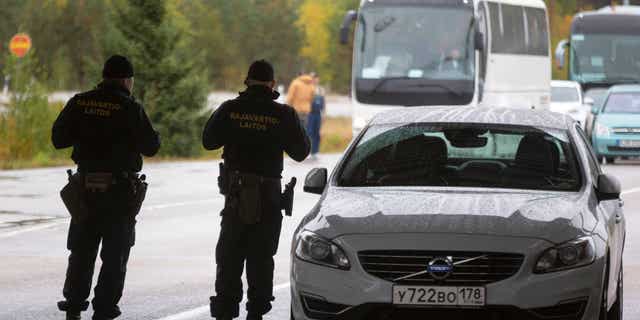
384 24
612 81
623 79
438 85
420 85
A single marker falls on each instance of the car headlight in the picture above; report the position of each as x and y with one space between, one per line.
316 249
602 130
573 254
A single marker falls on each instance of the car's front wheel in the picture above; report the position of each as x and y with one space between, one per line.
616 311
607 160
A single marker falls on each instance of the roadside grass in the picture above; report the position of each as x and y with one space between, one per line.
335 137
335 134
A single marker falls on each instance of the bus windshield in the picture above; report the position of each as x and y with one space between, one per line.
607 58
415 55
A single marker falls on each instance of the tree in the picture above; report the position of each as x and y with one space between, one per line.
320 21
314 19
168 83
258 29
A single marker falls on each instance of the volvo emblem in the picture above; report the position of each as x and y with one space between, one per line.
440 268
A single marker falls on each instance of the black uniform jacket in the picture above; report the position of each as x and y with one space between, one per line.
255 131
107 129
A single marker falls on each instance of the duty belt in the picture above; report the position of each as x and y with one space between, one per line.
102 181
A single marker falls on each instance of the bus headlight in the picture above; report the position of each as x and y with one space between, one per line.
316 249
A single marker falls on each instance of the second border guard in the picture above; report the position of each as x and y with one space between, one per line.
254 131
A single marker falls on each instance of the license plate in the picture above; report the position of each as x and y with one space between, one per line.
439 296
630 143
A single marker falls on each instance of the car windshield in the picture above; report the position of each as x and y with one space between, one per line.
623 103
605 58
564 94
417 55
462 155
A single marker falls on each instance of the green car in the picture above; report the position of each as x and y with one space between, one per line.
616 124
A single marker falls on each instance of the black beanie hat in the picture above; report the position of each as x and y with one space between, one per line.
117 67
261 70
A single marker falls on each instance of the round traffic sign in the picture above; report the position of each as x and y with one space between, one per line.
20 44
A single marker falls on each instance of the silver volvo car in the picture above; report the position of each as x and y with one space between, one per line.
465 213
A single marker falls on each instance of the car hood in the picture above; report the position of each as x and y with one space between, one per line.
553 216
565 107
619 119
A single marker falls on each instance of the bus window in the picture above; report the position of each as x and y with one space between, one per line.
513 37
484 54
518 30
537 32
496 26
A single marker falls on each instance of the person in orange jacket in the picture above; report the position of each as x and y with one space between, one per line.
300 95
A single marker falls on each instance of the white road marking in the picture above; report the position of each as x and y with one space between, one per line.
34 228
634 190
65 220
177 204
196 312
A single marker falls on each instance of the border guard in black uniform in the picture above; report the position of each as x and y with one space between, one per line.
254 131
108 131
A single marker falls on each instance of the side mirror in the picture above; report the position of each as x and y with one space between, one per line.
608 187
316 181
478 41
560 51
345 29
589 102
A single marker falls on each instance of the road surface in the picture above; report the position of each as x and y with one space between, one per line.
171 271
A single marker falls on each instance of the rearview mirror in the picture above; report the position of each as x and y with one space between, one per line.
478 41
316 181
591 104
608 187
560 51
345 29
589 101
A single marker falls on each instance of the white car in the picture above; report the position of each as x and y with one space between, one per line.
566 98
462 213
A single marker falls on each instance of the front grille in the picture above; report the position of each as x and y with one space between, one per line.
566 311
320 309
393 264
621 130
622 149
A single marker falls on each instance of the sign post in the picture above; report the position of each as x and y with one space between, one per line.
20 44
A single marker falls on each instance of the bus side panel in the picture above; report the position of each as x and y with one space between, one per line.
520 81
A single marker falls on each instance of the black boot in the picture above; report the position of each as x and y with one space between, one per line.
73 315
97 316
254 316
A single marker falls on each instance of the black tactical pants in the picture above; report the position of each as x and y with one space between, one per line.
253 245
110 225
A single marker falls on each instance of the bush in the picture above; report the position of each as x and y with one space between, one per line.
25 125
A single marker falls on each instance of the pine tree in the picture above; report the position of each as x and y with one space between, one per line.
167 82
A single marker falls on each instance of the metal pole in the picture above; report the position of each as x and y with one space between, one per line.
5 89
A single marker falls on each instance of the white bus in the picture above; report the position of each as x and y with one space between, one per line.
448 52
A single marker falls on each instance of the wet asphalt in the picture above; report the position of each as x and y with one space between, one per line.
171 270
